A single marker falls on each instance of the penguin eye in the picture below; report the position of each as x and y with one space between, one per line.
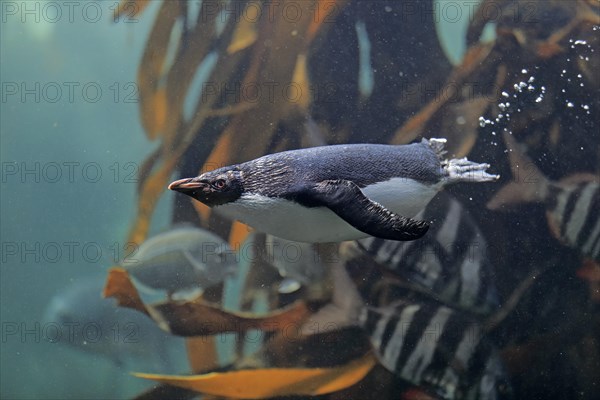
219 183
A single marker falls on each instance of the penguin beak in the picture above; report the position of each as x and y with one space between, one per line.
187 186
200 188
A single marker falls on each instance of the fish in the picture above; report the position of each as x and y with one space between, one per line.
572 204
435 347
298 263
442 350
182 262
451 263
97 326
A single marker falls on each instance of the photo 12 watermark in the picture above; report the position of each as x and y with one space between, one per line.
70 332
68 252
55 172
68 92
69 12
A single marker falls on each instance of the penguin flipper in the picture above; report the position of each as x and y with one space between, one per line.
347 200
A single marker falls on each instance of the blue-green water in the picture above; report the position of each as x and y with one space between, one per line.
81 146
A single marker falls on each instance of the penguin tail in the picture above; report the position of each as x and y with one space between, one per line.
528 185
343 310
437 145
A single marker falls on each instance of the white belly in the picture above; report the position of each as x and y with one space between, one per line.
402 195
290 220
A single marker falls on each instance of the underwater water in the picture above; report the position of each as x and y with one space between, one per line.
103 104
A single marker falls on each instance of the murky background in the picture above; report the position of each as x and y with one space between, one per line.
81 116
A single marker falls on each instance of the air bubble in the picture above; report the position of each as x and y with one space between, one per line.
483 122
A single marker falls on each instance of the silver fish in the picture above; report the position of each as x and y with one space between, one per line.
183 261
450 263
572 204
89 323
298 263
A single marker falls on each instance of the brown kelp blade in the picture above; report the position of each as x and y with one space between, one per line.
245 32
152 100
277 56
238 234
202 353
272 382
198 317
119 285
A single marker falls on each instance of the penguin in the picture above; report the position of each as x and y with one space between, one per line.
335 193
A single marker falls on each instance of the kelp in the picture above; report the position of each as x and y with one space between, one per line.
153 102
197 317
272 382
276 59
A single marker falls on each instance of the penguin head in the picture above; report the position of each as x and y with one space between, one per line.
212 188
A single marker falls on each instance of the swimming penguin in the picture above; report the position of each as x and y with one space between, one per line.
335 193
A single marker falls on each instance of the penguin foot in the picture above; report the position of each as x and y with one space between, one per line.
463 170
